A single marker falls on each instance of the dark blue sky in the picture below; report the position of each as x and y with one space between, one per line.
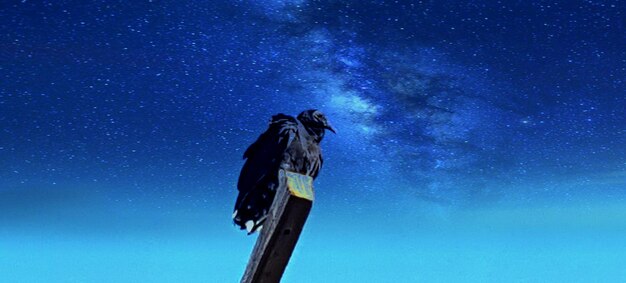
445 101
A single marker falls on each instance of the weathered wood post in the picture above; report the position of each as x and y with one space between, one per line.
281 230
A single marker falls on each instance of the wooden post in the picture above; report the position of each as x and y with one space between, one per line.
281 230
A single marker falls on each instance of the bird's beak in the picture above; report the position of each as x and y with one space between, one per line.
330 128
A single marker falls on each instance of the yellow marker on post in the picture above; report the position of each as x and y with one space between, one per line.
300 185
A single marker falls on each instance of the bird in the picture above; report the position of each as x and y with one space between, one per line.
291 144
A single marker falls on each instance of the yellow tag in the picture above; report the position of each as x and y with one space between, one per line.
300 185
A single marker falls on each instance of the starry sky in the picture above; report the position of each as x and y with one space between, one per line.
148 105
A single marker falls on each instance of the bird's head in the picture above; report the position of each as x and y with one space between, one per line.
314 119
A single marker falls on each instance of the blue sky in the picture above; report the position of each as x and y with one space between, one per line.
473 137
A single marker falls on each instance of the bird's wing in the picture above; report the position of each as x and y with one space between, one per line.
280 127
263 157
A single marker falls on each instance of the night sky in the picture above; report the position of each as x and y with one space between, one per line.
147 107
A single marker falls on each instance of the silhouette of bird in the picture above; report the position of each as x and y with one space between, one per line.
291 144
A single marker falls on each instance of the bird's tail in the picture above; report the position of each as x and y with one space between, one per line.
251 210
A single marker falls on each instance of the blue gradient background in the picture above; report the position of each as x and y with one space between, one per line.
478 142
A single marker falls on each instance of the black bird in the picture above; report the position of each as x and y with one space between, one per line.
289 143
